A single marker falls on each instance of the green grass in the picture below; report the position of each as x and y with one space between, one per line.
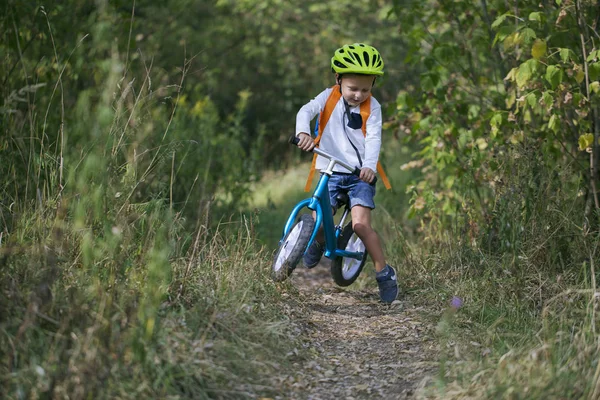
205 325
527 327
108 290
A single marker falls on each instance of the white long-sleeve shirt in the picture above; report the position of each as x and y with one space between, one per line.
334 141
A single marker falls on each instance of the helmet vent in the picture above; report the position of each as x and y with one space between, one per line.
338 64
357 58
348 60
366 57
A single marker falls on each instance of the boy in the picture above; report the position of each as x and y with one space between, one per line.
356 67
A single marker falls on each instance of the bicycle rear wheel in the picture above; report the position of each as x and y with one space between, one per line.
345 270
292 248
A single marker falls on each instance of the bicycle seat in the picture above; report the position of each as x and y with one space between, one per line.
341 199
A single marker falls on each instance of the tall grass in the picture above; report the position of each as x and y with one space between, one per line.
527 328
106 289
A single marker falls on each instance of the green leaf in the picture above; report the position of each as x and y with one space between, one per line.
594 71
512 40
494 132
592 56
564 55
538 50
444 53
579 74
528 35
499 21
496 120
502 33
427 83
535 16
554 123
595 86
401 100
547 99
523 74
495 123
586 141
511 98
554 75
463 138
531 99
474 110
511 75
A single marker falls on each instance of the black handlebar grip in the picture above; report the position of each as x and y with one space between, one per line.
357 173
294 140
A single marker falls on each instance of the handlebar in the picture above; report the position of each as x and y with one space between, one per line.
354 170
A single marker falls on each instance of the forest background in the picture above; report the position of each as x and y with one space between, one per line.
144 152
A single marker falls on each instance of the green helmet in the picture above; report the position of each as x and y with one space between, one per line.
357 58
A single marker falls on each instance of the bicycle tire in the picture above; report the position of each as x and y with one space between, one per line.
345 270
292 248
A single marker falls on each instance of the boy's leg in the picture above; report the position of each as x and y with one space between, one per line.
315 252
385 275
361 223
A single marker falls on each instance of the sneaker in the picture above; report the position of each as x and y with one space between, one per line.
388 286
313 255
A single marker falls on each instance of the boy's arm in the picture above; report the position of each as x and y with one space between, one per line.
310 111
373 139
305 115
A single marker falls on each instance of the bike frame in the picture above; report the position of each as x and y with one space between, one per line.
321 205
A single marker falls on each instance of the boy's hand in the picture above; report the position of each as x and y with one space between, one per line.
306 143
367 174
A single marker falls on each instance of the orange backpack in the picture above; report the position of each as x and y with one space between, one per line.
365 111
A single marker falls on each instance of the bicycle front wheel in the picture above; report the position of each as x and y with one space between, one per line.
292 248
345 270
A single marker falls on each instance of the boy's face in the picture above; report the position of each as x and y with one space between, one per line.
356 88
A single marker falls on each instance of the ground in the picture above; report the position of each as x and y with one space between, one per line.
358 347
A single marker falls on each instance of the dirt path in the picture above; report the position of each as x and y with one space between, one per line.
359 348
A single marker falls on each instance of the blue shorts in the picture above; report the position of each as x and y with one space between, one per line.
359 192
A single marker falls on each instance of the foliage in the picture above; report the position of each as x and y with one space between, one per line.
104 290
128 126
236 72
504 121
475 109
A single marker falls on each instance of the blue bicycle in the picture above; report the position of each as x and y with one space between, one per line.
342 245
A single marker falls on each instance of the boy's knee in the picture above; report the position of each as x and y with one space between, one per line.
361 228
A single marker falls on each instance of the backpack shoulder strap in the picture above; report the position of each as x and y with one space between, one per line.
365 112
330 104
